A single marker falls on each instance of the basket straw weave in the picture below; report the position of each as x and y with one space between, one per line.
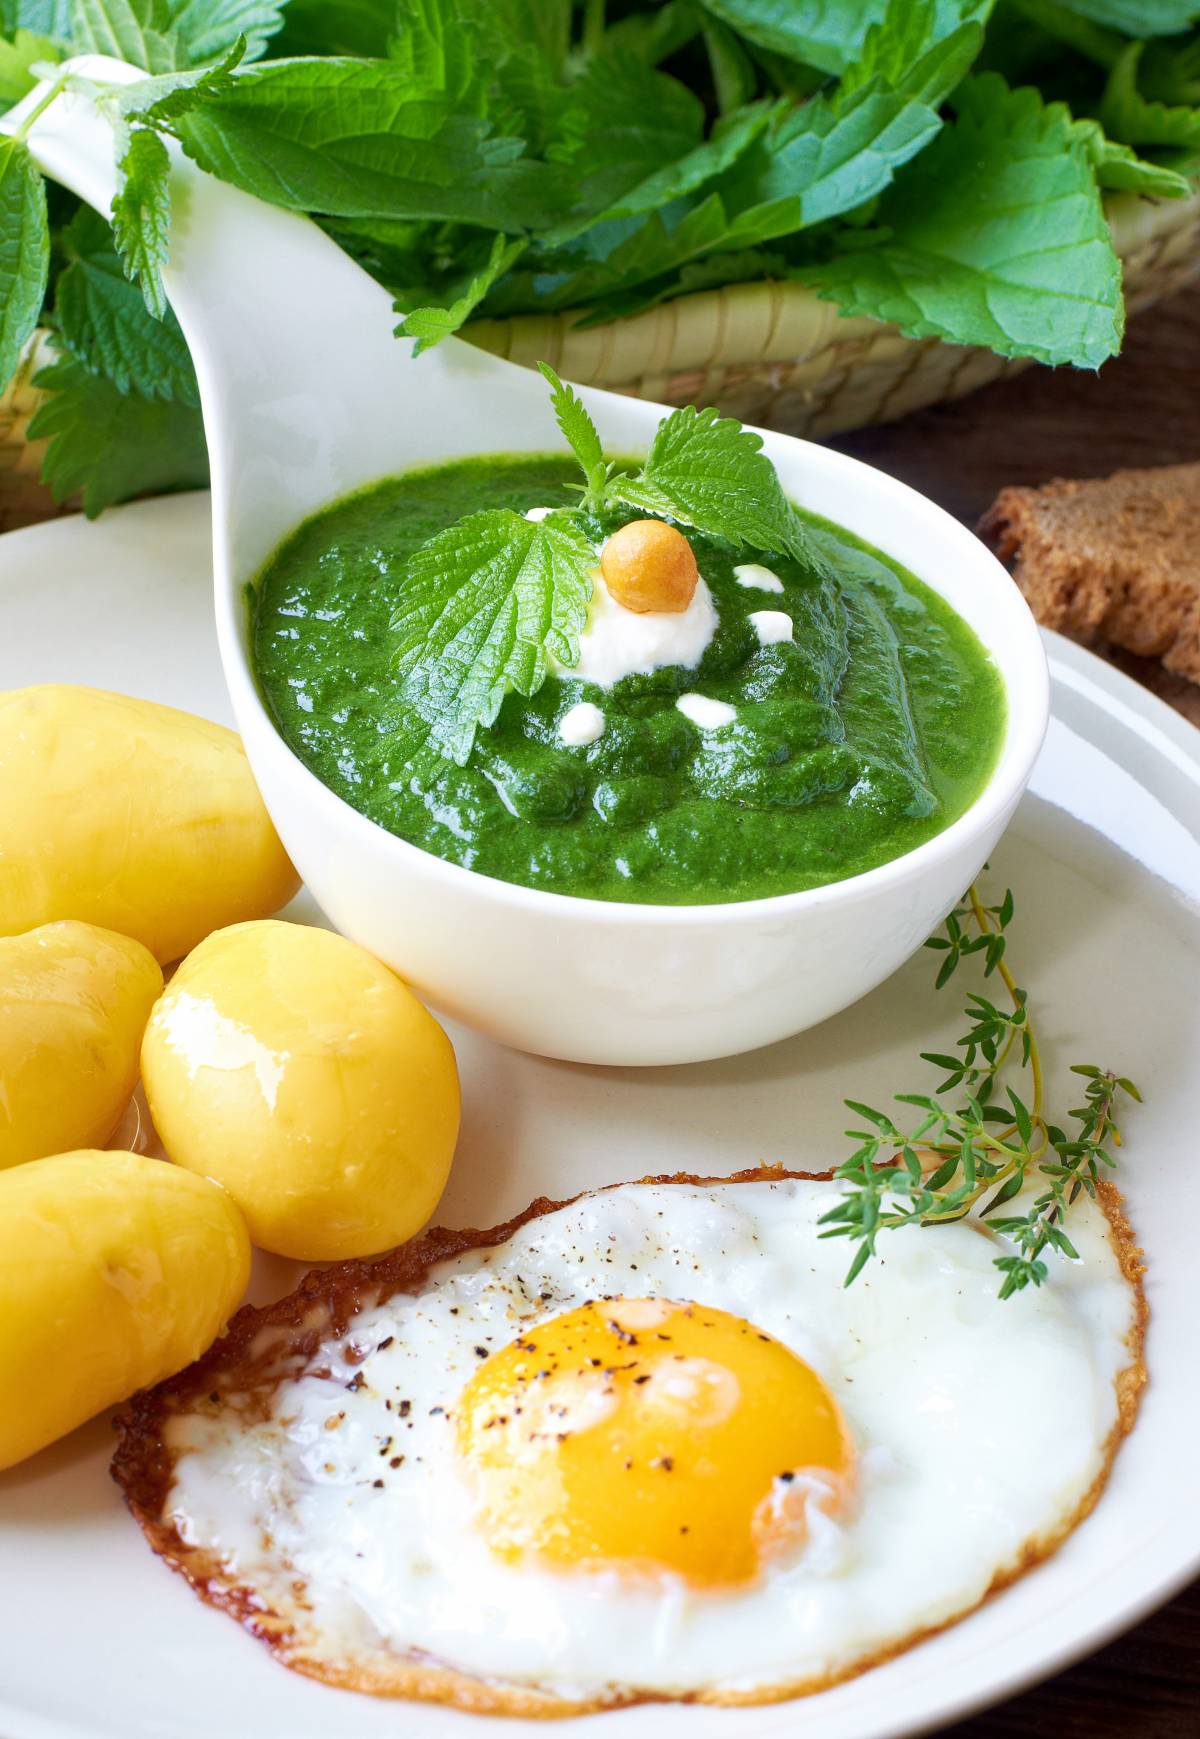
776 355
768 353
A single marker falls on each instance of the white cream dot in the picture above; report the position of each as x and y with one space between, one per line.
581 724
536 513
755 577
771 626
705 713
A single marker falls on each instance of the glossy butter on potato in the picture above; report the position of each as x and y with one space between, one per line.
115 1271
300 1072
131 815
74 1000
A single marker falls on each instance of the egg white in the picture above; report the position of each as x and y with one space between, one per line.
981 1427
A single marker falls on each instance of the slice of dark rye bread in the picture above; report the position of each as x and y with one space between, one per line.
1110 560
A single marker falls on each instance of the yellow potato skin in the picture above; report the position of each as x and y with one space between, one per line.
74 1001
130 815
293 1067
115 1271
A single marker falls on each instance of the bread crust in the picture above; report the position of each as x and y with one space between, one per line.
261 1343
1113 560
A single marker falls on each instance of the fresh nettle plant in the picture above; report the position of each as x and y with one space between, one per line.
978 1153
488 602
942 164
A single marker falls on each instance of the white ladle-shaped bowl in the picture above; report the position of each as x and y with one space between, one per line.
306 396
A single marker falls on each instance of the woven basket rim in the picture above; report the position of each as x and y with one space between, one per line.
754 324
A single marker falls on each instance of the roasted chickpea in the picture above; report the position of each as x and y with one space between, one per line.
648 566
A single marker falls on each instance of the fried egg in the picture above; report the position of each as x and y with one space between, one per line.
645 1444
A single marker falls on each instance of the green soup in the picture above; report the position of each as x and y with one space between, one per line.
868 731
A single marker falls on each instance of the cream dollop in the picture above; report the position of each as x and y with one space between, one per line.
581 725
771 626
705 713
617 642
755 577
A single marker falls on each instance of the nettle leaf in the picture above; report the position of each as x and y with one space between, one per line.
42 17
828 34
24 252
484 606
578 430
708 471
430 325
1120 167
105 323
114 445
995 235
1139 18
207 30
820 160
171 35
918 50
1125 114
624 122
134 30
16 58
141 215
730 139
353 138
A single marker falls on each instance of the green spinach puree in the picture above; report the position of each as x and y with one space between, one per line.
867 733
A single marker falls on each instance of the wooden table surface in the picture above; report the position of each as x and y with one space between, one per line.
1143 409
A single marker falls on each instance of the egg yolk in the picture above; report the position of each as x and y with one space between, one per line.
651 1436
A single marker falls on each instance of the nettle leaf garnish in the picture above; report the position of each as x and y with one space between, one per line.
988 1146
486 604
483 605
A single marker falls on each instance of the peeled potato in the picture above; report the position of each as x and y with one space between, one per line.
74 1000
294 1068
115 1271
131 815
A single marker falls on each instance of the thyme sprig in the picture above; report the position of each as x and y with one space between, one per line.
977 1154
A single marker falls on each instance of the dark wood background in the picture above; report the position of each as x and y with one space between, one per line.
1143 409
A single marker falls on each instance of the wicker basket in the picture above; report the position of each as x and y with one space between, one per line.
767 353
776 355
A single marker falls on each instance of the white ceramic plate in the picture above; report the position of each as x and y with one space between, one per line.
98 1639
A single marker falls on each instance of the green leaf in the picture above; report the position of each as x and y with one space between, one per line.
995 236
708 471
42 17
828 34
24 252
624 121
916 50
141 215
1140 18
578 431
134 30
114 445
358 139
105 323
430 325
171 35
1119 167
208 30
484 606
733 75
820 160
730 138
822 33
16 58
1128 116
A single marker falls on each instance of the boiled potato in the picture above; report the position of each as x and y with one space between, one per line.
73 1006
294 1068
115 1271
131 815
